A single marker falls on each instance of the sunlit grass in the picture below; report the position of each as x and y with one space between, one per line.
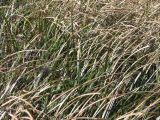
79 60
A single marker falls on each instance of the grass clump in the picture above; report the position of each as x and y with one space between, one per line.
79 59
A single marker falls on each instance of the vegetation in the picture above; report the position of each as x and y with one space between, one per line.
79 59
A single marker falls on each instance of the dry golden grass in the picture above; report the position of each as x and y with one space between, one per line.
79 59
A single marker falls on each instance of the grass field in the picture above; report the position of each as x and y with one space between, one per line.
79 59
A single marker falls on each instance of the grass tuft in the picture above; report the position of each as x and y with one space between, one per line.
79 59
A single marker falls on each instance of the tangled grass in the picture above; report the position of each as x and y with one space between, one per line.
79 59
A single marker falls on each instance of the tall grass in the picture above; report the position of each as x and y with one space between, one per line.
79 59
